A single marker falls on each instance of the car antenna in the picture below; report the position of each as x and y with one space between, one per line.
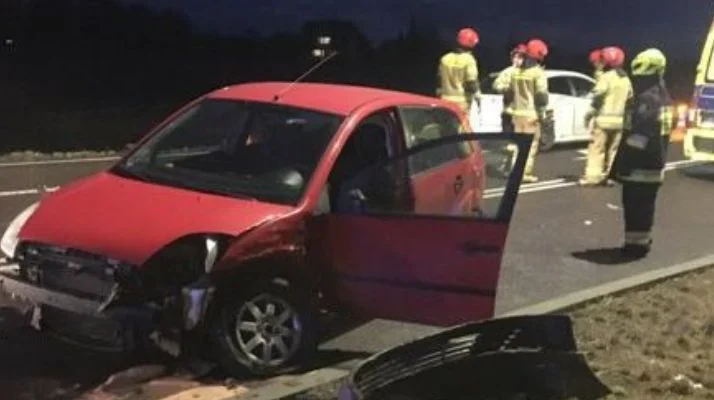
303 76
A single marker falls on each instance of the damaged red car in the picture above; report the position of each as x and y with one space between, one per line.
247 215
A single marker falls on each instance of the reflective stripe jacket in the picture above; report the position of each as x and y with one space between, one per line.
642 154
502 84
530 90
456 70
610 95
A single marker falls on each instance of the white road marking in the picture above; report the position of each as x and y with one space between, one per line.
63 161
584 155
561 183
25 192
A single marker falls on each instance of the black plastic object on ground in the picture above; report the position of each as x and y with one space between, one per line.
547 131
525 357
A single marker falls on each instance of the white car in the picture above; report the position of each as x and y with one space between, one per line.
569 99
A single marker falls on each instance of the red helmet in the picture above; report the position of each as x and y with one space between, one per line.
596 56
536 49
467 38
521 48
613 57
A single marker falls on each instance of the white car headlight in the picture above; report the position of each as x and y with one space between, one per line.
8 243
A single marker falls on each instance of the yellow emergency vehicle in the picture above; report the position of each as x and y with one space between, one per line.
699 137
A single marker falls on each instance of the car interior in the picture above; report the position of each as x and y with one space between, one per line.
366 147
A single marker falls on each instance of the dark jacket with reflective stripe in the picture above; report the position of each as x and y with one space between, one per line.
642 154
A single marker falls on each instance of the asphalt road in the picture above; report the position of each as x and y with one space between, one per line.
557 244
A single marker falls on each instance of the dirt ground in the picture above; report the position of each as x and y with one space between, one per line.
653 343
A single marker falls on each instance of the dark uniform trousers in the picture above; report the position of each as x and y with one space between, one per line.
638 200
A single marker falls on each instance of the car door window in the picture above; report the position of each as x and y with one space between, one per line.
374 140
559 85
425 124
582 87
389 188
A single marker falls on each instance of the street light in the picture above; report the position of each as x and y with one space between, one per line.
323 45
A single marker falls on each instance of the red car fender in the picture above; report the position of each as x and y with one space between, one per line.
274 246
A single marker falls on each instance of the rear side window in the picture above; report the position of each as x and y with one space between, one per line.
425 124
582 86
559 85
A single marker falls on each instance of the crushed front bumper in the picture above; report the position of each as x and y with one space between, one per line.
103 325
74 319
16 288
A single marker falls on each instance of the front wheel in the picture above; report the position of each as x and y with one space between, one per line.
266 331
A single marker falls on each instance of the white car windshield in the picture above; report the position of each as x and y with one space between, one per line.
242 149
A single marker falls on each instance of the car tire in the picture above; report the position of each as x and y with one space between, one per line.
275 316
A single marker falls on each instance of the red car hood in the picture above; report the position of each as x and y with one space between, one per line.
130 220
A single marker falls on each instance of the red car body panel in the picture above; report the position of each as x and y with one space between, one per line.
333 99
413 269
130 220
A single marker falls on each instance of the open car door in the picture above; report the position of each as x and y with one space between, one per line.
389 258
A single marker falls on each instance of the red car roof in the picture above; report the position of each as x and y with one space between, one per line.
329 98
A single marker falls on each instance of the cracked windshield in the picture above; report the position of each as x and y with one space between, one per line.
368 200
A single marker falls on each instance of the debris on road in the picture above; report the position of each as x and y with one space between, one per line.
132 376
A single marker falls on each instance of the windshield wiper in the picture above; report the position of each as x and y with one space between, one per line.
212 188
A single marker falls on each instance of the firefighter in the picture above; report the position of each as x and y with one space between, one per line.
639 165
530 99
597 63
502 85
457 77
606 113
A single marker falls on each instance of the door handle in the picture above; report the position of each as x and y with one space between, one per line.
458 184
474 246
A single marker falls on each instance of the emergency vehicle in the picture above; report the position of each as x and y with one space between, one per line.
699 138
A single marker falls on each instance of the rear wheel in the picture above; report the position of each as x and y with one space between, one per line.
268 330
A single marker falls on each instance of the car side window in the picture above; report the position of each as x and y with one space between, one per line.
582 87
559 85
425 124
373 141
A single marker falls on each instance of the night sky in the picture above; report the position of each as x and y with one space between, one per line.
676 26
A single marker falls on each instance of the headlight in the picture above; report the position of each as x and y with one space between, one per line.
212 250
8 243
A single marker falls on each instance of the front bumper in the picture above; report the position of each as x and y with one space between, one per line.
103 325
699 144
83 322
15 287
